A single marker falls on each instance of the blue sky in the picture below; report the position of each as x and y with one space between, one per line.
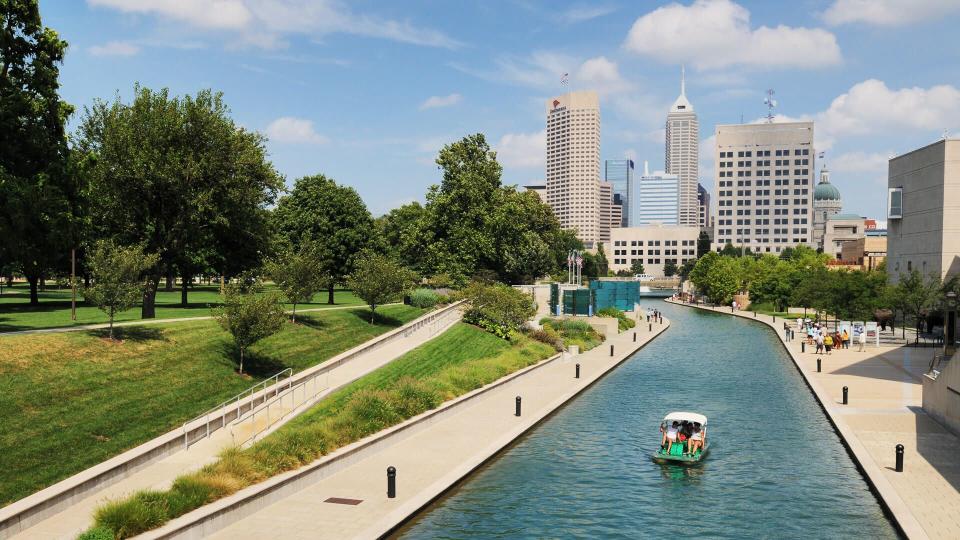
367 92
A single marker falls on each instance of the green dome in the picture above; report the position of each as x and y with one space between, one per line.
826 191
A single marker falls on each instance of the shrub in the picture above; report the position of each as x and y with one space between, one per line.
143 511
188 493
97 533
410 397
424 298
549 337
497 308
623 322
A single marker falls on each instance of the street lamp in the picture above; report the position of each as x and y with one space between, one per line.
950 326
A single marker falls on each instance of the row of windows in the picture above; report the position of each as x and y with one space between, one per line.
766 153
747 232
764 212
776 221
648 261
762 202
777 182
635 243
746 192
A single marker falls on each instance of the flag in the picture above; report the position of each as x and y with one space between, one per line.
569 259
820 155
565 79
579 261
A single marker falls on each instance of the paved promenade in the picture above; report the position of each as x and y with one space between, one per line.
160 474
432 459
884 410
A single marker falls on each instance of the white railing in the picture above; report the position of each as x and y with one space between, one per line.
231 405
434 326
247 428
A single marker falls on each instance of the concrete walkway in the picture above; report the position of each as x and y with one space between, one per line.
138 322
431 460
884 410
160 474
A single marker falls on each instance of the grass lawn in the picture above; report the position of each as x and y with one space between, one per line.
16 313
459 360
71 400
770 309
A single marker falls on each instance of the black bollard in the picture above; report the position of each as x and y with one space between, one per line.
650 327
845 397
391 482
611 350
634 337
818 365
518 407
803 346
774 318
899 466
754 314
648 318
576 376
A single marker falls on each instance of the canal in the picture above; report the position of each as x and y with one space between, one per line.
776 468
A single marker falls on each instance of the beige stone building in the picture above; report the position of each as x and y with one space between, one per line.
652 245
573 164
867 252
923 210
839 230
764 185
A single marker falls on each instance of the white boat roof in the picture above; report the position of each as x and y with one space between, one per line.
688 416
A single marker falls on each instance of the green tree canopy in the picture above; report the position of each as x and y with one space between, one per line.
703 244
399 232
915 293
117 277
636 267
249 315
378 279
497 308
670 268
333 216
298 273
177 175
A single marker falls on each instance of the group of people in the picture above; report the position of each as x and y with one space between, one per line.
690 434
825 341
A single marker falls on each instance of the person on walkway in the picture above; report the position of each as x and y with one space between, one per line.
862 340
828 343
837 340
846 338
818 339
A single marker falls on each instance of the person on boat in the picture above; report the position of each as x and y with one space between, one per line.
697 437
670 435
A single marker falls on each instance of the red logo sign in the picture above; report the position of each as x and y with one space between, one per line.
556 103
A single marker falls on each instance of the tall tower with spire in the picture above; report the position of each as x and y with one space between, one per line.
683 153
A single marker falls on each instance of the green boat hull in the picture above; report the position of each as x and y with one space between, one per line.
677 455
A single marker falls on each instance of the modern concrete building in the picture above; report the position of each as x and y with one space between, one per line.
682 156
653 246
619 172
826 204
839 230
923 211
658 199
539 189
867 252
764 179
573 163
704 220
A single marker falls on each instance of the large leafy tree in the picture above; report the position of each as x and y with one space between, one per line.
915 293
39 201
117 274
703 244
178 176
334 216
399 231
298 273
379 279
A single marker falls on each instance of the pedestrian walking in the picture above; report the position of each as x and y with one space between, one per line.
862 340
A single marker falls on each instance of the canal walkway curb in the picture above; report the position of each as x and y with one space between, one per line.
431 453
890 498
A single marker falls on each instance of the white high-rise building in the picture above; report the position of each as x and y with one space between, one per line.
683 153
573 165
658 199
764 186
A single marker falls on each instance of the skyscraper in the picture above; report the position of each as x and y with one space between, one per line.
619 172
703 202
658 200
683 153
573 163
764 185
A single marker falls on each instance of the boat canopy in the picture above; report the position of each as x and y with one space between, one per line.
688 416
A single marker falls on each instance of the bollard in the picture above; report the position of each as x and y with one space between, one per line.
818 365
845 400
774 318
611 350
754 314
576 376
391 482
899 466
518 407
634 337
648 318
803 346
650 327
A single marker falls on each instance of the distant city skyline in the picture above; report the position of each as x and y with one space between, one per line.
367 94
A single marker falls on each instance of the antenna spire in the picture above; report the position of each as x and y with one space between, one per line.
770 103
683 80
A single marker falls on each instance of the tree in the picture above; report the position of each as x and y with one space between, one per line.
379 279
703 244
334 216
636 267
686 268
38 199
249 315
698 275
603 267
177 175
298 274
723 280
670 268
730 251
915 293
497 308
117 277
399 231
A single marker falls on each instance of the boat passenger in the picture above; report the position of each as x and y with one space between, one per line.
696 439
670 435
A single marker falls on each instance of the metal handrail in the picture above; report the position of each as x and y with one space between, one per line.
262 385
264 407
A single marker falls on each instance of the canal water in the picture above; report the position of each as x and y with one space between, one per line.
776 468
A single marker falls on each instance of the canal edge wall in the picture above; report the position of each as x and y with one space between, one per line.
889 498
217 515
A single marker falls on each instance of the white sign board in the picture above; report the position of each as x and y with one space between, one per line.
873 333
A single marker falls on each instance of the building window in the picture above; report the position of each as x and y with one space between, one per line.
895 203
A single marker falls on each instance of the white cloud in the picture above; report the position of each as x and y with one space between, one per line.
602 75
522 150
433 102
578 14
114 48
887 12
265 23
873 162
288 129
871 107
543 70
220 14
713 34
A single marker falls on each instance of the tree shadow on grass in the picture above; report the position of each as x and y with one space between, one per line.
136 334
379 319
310 321
255 364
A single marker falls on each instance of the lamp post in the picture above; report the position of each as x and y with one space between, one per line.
950 325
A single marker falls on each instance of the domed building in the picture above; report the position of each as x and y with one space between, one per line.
826 204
